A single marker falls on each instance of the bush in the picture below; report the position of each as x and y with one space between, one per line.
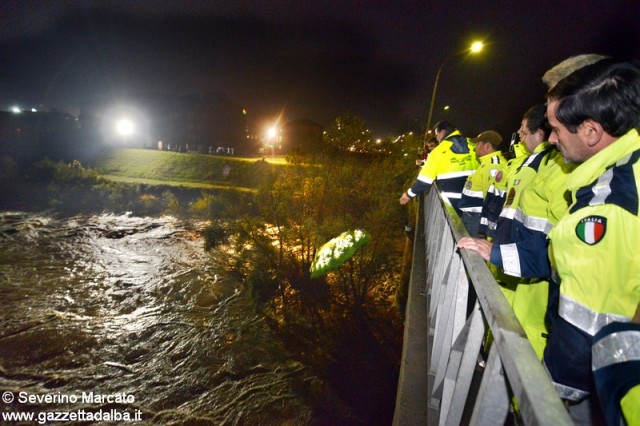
214 235
149 204
171 203
263 287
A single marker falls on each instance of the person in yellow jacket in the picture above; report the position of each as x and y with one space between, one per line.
534 202
503 196
595 115
449 164
492 162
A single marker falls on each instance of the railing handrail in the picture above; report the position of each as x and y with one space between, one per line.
453 336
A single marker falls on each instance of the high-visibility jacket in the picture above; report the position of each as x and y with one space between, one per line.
594 249
539 205
616 370
496 197
450 164
536 201
508 183
477 185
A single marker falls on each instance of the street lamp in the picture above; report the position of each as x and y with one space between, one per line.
474 48
272 133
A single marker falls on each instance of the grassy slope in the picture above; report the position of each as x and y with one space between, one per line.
178 169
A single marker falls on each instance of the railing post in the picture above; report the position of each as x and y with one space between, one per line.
492 403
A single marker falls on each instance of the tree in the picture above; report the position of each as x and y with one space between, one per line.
305 206
348 133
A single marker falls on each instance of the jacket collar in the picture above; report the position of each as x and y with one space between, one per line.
595 166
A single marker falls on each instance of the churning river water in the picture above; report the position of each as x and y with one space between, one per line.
116 318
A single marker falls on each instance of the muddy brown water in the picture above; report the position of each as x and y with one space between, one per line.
107 315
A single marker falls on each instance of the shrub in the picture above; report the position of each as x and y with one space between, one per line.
214 235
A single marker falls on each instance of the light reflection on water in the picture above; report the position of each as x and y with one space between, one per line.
118 304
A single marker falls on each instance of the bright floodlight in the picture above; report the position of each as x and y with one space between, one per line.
271 133
16 110
124 127
476 47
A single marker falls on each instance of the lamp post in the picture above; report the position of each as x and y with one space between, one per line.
474 48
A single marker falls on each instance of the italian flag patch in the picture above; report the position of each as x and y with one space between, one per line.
591 229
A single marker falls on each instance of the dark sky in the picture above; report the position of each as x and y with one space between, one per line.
308 59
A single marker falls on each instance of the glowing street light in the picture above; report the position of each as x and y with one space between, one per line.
272 136
124 127
475 47
272 132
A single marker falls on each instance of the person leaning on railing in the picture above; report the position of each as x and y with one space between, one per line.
492 163
503 196
533 202
595 115
538 202
449 164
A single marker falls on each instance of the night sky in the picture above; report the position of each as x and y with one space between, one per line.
308 59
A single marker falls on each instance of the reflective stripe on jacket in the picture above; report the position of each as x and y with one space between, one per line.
594 250
450 164
616 370
477 185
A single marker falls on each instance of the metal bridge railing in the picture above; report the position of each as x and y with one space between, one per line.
453 302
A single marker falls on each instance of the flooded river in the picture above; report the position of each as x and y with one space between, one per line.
129 318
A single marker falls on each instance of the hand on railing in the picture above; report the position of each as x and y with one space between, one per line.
482 246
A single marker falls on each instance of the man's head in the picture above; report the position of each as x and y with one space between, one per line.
591 108
533 128
443 129
431 144
569 65
487 142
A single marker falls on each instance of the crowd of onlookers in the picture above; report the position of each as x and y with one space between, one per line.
558 224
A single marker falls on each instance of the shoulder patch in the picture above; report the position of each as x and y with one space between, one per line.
499 177
591 229
468 184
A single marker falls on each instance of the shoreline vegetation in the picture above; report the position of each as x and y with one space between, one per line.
273 215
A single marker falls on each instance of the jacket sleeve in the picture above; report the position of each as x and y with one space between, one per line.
527 258
427 175
418 188
491 209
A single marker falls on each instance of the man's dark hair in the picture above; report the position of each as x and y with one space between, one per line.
537 119
444 125
607 92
